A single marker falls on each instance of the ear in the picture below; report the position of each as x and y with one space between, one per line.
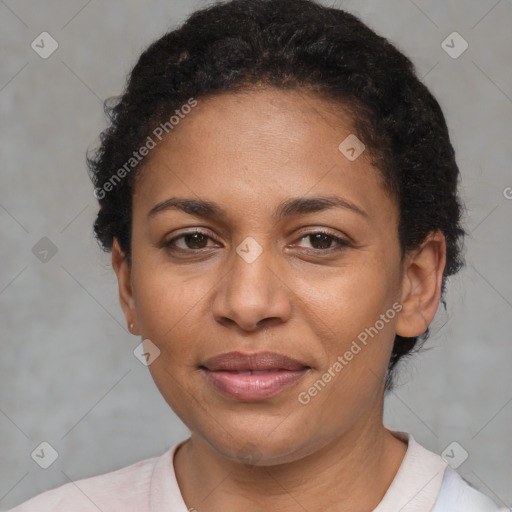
123 272
421 285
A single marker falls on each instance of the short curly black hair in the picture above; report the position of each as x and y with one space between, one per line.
295 45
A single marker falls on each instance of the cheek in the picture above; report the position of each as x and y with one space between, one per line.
168 314
167 303
350 299
356 343
353 317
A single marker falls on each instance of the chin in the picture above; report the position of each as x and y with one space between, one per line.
251 447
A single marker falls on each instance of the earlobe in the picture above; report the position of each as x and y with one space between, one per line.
421 285
123 273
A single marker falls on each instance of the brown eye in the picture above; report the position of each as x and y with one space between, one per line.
323 241
191 241
195 240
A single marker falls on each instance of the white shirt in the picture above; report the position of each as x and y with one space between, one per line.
423 483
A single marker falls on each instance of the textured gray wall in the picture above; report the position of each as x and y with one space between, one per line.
67 372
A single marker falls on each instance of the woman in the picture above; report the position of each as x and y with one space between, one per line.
279 193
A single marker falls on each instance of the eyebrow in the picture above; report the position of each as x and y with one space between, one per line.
288 208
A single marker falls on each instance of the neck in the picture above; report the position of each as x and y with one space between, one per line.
352 472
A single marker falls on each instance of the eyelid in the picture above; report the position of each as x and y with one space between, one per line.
191 231
341 237
340 240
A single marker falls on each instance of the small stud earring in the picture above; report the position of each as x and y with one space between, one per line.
131 327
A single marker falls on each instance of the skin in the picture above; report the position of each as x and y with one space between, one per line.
248 152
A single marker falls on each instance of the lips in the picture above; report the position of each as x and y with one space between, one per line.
258 362
252 377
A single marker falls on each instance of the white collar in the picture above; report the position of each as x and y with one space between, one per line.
414 489
417 483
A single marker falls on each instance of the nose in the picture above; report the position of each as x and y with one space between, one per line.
252 295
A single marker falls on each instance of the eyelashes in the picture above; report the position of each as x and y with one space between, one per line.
196 241
341 243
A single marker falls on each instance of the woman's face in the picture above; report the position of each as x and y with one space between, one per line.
254 281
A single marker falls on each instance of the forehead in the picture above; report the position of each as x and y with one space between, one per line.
259 144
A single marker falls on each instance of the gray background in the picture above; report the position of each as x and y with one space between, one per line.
68 375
